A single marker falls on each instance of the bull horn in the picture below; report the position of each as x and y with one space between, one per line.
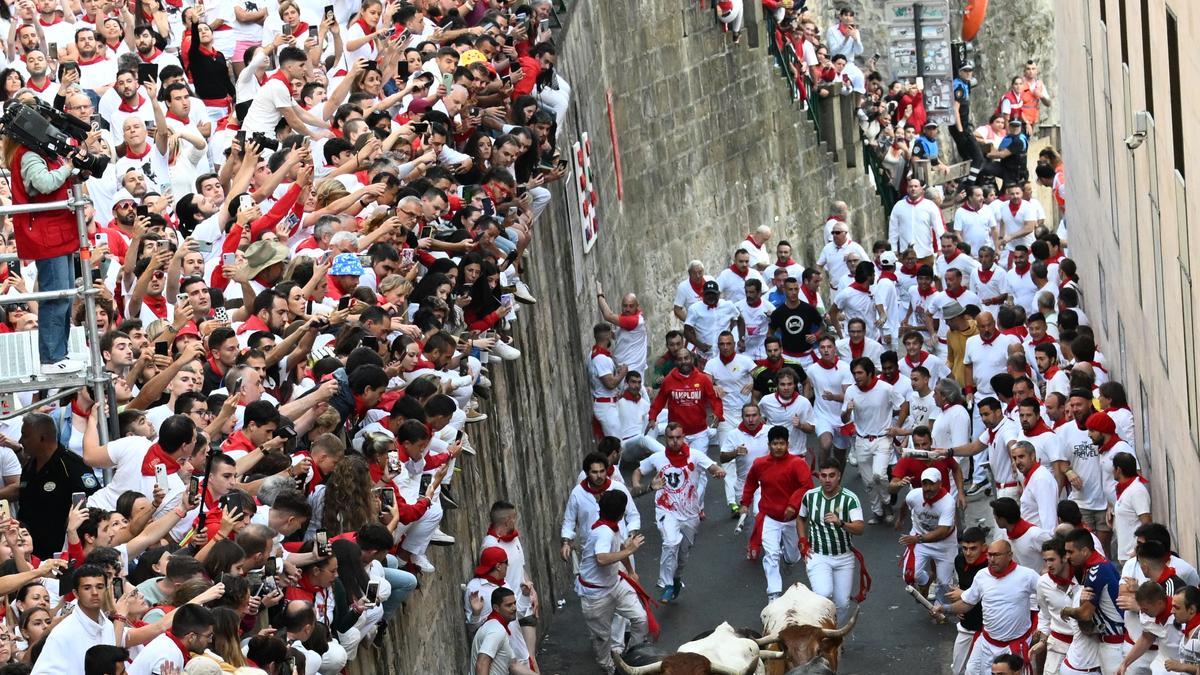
649 669
768 655
841 632
767 639
722 669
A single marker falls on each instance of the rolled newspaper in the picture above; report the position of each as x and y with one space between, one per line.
918 597
741 523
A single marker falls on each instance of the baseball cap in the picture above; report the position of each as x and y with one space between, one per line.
932 475
711 287
489 558
887 259
967 66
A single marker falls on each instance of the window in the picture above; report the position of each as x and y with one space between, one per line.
1124 28
1191 350
1121 346
1147 454
1091 88
1104 303
1103 11
1147 58
1176 94
1161 308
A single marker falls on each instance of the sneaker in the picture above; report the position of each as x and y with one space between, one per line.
484 382
873 520
423 563
667 594
63 366
521 293
676 587
493 357
506 351
440 538
851 459
734 510
474 416
975 489
772 597
448 501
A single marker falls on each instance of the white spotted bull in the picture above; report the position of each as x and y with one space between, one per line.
725 651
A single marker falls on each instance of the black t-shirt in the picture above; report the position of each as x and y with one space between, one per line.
793 324
972 620
45 497
764 380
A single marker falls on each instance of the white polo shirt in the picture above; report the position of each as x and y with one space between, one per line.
872 408
1005 601
1133 501
989 284
1039 499
987 359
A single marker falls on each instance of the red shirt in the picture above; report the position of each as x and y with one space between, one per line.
912 468
685 399
783 481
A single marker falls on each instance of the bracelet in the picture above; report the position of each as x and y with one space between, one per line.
180 512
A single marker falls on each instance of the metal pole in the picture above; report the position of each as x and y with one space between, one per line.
97 376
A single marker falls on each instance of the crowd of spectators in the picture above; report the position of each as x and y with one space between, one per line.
309 250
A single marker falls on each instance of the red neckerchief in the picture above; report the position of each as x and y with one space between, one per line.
157 52
1039 429
948 256
810 296
967 206
595 491
132 154
1022 270
1167 573
785 263
785 404
893 379
755 305
828 365
845 31
1063 581
1115 407
698 289
942 492
495 616
502 537
956 294
856 352
216 365
157 304
631 396
367 29
977 564
1123 485
924 294
96 58
985 275
126 108
889 274
724 360
909 270
1094 559
182 647
734 269
237 441
1108 445
253 324
155 456
278 75
911 364
1164 616
491 576
910 201
1046 339
989 341
774 367
1013 209
597 350
29 83
680 459
1050 373
1191 625
861 287
1012 565
1018 529
177 118
747 430
870 385
611 524
1029 474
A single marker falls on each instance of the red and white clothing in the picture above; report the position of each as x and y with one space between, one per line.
927 516
604 399
936 365
165 648
677 505
152 163
1039 498
781 483
632 342
733 282
930 303
963 295
1057 380
1133 500
974 227
1007 621
1048 446
583 509
871 418
134 459
987 359
777 411
759 255
1084 458
1026 540
989 284
709 321
833 260
1020 285
1003 474
757 320
867 348
954 259
264 114
688 294
833 378
856 301
606 595
1123 418
915 224
1053 596
97 72
755 442
687 399
952 427
1011 219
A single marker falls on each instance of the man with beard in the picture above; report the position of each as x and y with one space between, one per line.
767 370
39 77
268 313
687 394
147 301
120 230
130 102
583 503
678 502
96 71
147 48
798 325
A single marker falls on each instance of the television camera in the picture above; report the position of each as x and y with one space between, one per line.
50 132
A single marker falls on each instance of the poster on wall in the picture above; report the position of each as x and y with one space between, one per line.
586 191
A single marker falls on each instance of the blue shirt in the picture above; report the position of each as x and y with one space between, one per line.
1104 580
777 297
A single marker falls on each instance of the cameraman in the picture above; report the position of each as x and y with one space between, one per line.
49 238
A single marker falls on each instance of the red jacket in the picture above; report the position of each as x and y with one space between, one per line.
685 398
784 482
50 234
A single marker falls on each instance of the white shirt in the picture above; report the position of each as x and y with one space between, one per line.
264 112
855 303
1131 503
633 415
833 260
1048 446
833 380
952 427
928 517
602 365
1011 223
842 44
1052 600
601 539
583 509
778 412
127 455
987 360
680 493
492 639
632 344
873 408
936 365
709 322
1027 548
756 446
757 319
1039 499
1081 452
69 641
733 285
1005 601
686 296
917 225
871 350
731 378
922 410
160 650
1021 286
995 286
974 227
997 451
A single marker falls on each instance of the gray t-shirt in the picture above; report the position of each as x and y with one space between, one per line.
491 639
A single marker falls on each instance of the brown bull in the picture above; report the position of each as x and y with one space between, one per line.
804 625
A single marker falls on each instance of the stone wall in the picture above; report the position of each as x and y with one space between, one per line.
711 147
1014 31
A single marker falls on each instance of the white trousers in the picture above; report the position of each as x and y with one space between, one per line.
983 653
598 614
416 538
609 418
334 659
678 535
832 576
699 441
1056 651
732 493
921 558
637 448
779 539
873 457
1111 656
962 649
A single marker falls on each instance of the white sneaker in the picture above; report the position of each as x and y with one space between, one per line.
506 351
63 367
851 459
440 538
521 293
493 357
423 563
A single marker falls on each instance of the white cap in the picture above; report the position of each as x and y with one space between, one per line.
932 475
887 259
123 195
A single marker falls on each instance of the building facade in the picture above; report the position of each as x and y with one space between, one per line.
1131 146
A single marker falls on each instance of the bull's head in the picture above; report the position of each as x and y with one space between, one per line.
802 644
685 663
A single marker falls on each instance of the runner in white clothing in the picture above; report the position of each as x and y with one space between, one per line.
989 280
828 378
604 378
916 355
633 409
931 542
740 447
869 403
732 279
756 317
690 290
633 343
999 431
1039 489
787 408
583 503
1056 591
973 223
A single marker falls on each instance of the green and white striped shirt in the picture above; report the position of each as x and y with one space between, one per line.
824 538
